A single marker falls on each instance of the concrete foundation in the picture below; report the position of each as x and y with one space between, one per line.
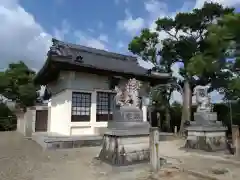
206 133
122 150
54 141
208 140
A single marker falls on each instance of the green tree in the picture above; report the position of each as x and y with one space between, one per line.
8 120
161 96
185 44
226 31
16 84
176 111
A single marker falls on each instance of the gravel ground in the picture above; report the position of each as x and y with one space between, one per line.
22 159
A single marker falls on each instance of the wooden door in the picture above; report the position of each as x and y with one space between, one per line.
41 120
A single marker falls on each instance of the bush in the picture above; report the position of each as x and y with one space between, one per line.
8 121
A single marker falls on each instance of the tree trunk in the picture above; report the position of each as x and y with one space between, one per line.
187 103
168 123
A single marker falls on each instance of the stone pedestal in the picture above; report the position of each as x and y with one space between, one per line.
236 140
127 139
206 133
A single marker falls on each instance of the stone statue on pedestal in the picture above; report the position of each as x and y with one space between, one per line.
205 132
202 99
127 138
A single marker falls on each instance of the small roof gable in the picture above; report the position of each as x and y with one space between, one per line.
85 57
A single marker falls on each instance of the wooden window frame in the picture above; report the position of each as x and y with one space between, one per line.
81 107
104 111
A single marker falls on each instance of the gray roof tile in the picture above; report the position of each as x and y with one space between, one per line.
82 56
97 58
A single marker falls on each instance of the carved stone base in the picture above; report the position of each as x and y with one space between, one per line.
122 150
210 141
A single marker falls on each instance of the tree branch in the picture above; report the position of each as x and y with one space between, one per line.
172 35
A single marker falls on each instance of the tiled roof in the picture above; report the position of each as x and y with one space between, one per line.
82 56
99 59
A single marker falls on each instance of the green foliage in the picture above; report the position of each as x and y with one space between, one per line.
225 37
16 83
8 120
175 112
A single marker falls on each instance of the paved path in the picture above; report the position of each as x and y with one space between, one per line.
22 159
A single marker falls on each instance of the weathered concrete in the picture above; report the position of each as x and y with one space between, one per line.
122 150
154 148
206 133
236 140
208 140
55 141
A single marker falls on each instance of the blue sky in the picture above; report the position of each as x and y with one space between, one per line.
95 18
27 26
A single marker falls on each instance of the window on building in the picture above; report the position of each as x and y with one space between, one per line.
105 104
81 106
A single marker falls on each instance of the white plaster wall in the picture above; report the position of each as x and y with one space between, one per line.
88 82
21 123
49 116
29 117
60 116
61 83
78 81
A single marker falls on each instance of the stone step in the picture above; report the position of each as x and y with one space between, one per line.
61 142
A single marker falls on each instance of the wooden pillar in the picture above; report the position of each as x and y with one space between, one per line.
154 148
236 139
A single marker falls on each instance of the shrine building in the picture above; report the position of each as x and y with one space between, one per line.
81 81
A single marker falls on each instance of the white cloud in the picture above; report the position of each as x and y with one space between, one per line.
63 31
22 38
103 38
155 7
131 25
85 39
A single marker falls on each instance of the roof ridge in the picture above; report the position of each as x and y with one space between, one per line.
95 50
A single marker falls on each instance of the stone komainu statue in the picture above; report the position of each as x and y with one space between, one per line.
203 99
127 93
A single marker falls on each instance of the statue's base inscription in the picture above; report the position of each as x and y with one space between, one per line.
128 113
